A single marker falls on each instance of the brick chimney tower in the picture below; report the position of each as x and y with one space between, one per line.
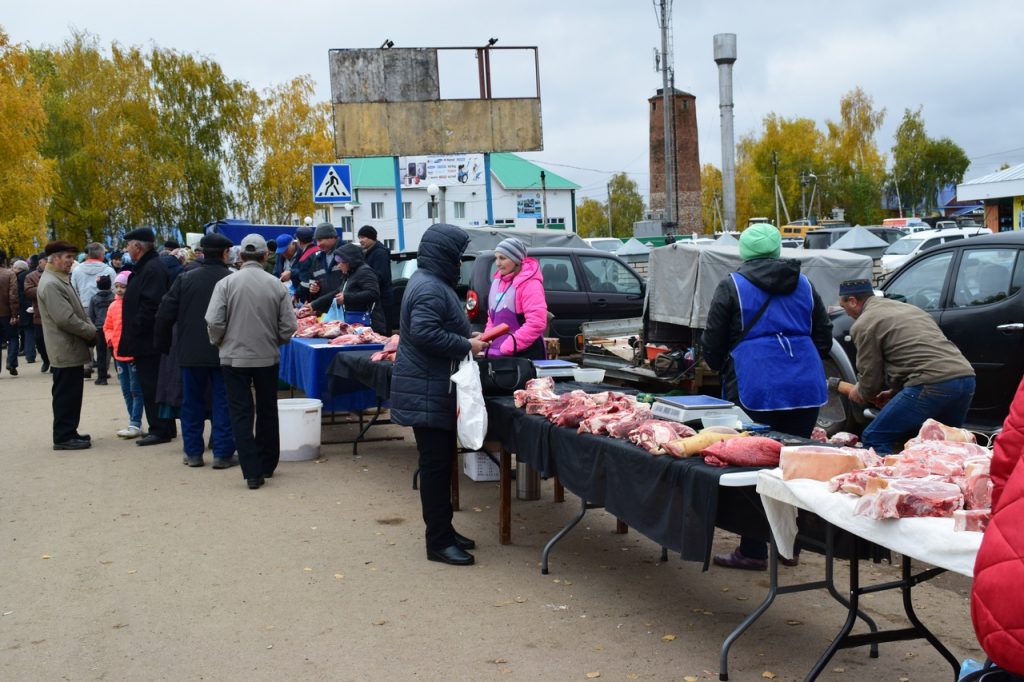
683 122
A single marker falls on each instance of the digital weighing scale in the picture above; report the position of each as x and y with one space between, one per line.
554 368
689 408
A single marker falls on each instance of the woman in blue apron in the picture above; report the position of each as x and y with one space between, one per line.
766 334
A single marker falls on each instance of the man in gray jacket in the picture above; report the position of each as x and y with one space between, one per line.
249 316
69 333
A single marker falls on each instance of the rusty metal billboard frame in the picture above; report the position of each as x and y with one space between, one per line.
387 102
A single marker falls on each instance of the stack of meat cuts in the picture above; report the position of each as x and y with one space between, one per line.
607 413
356 335
389 351
931 477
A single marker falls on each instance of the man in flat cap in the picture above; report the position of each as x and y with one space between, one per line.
250 315
326 274
378 257
149 282
184 307
905 365
69 334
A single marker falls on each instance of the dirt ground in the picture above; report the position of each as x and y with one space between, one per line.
119 563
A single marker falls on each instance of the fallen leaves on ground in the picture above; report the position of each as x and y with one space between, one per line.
768 675
593 675
339 576
794 622
668 638
379 622
46 556
691 678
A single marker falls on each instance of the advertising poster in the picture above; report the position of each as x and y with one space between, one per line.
443 171
528 205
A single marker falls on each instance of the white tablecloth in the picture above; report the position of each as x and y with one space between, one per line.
929 540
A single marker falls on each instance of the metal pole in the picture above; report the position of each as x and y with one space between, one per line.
487 188
611 233
725 57
775 174
544 196
666 104
398 203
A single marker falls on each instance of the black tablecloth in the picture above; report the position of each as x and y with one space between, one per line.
357 366
675 502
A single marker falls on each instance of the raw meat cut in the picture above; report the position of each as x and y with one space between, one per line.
845 439
971 520
819 434
749 451
653 434
816 462
933 430
628 422
536 390
977 485
903 498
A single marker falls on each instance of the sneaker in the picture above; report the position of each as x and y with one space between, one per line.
100 382
13 371
224 462
129 432
735 559
193 461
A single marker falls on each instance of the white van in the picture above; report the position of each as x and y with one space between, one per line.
609 244
902 250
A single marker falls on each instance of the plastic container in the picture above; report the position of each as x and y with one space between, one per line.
720 419
588 375
654 350
299 427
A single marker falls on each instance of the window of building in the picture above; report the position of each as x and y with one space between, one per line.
390 244
377 210
460 209
406 209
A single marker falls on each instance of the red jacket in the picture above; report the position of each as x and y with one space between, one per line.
997 601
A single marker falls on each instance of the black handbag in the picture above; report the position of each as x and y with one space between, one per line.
503 376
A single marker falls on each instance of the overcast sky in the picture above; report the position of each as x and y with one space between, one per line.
961 61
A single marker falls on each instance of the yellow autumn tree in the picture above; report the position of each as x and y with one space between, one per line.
26 178
294 132
711 197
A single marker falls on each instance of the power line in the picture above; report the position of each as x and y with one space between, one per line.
1006 151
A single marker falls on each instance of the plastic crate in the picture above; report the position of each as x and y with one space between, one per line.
479 467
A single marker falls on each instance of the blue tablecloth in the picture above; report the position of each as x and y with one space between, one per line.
304 365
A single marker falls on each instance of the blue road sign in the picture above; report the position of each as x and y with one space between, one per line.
332 183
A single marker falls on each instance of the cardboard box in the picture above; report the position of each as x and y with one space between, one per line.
479 467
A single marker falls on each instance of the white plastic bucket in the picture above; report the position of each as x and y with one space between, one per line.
299 428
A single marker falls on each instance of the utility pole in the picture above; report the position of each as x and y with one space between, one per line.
544 196
775 181
611 233
664 20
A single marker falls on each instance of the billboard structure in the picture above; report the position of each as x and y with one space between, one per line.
387 102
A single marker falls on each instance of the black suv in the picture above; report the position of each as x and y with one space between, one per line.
580 285
972 288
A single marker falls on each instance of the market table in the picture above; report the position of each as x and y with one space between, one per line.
677 503
356 367
928 540
304 364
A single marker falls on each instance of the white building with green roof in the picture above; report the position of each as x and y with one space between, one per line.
518 198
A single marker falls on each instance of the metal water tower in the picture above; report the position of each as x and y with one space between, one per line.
725 57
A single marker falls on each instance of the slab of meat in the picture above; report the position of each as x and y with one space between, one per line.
845 439
933 430
902 498
752 451
857 481
975 520
536 390
309 331
819 434
392 345
977 484
817 462
605 415
652 434
332 330
629 421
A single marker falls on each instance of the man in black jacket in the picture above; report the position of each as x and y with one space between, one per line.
185 306
327 275
148 284
299 270
378 257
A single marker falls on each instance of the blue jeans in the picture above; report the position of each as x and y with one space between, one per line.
131 390
901 418
30 342
10 333
194 382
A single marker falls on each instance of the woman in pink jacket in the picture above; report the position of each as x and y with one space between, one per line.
517 299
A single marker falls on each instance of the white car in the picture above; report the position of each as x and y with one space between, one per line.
902 250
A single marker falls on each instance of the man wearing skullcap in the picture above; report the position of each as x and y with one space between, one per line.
906 365
766 333
378 257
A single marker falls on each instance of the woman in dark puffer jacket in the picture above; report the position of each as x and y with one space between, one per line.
433 339
997 602
360 288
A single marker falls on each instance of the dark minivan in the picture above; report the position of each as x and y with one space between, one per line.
580 285
972 288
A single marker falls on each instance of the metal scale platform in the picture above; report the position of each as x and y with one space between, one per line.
691 408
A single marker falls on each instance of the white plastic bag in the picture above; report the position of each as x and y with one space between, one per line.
471 422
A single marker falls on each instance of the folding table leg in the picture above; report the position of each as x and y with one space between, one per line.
908 606
559 490
560 534
851 615
505 503
773 590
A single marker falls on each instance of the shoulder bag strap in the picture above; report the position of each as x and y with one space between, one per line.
753 321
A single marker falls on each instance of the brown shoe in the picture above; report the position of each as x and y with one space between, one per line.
735 559
795 561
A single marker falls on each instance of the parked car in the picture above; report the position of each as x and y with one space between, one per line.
972 287
824 237
580 285
609 244
902 250
910 223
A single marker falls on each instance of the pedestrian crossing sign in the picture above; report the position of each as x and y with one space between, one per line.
332 183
